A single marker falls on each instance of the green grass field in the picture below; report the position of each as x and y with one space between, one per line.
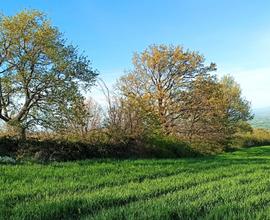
229 186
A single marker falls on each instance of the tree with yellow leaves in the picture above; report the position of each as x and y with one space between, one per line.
177 88
160 77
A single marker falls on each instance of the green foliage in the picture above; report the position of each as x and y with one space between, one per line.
158 81
161 146
178 90
258 137
96 144
39 71
228 186
238 108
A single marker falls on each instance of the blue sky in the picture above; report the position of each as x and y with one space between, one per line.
233 34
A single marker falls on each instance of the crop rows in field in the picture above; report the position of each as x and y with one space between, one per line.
233 185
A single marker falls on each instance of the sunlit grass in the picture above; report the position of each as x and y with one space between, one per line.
231 185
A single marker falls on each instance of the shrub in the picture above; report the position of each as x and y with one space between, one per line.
207 147
97 145
169 147
8 146
258 137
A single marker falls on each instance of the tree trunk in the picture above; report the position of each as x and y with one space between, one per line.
16 129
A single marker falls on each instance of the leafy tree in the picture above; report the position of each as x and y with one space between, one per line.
38 70
217 110
175 87
160 77
203 119
237 108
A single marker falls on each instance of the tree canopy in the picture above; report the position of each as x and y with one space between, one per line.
182 93
161 75
38 70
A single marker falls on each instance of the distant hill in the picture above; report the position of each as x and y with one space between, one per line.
261 118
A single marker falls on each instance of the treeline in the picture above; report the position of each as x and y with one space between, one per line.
171 103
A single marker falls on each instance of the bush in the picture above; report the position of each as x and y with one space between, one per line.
95 145
55 150
101 144
258 137
207 147
8 146
169 147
